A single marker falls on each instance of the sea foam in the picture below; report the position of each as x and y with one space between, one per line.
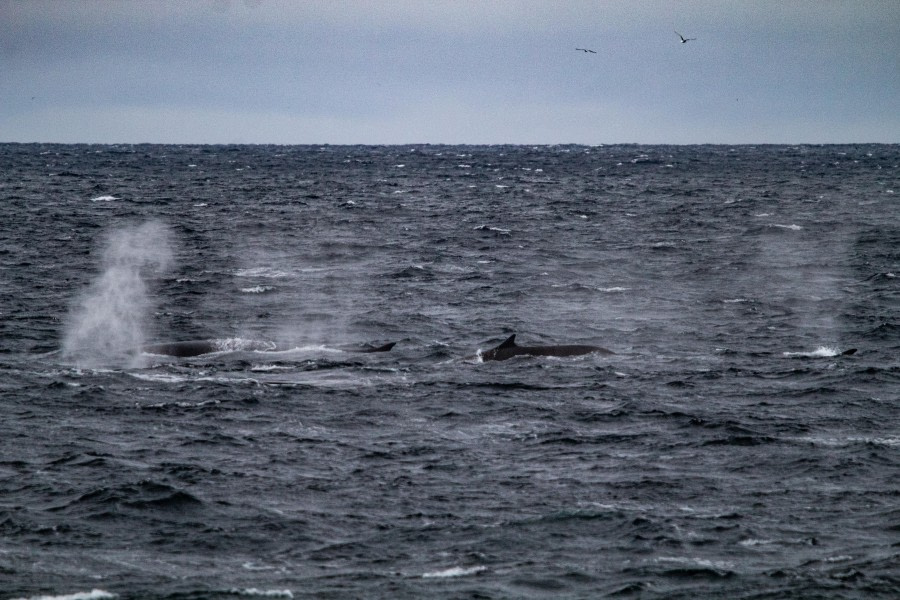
454 572
92 595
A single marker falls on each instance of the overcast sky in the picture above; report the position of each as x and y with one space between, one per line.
449 71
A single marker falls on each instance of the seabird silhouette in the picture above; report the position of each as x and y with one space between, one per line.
586 50
685 40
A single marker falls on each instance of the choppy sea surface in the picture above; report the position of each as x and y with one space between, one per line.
730 448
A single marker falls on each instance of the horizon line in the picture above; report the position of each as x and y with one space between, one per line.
586 144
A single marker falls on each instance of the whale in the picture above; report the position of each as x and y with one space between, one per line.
369 348
509 349
187 349
183 349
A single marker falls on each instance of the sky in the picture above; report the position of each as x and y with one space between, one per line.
450 71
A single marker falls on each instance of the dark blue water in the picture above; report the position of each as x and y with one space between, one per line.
726 450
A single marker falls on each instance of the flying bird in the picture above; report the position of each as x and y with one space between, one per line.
685 40
586 50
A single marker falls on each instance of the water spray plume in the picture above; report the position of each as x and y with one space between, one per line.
109 322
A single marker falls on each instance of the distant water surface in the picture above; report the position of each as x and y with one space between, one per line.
728 449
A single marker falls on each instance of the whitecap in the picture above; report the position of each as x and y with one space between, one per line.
160 405
104 199
317 348
820 352
263 593
454 572
499 230
831 442
613 290
892 442
92 595
720 565
254 567
792 227
160 378
267 272
840 558
241 344
735 301
258 289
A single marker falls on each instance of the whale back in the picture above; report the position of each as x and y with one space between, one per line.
369 349
183 349
501 352
509 349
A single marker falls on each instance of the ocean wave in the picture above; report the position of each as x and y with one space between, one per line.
161 377
498 230
242 344
820 352
265 272
262 593
699 438
266 368
92 595
166 405
453 572
721 565
837 442
254 567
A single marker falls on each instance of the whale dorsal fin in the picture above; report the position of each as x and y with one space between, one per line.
509 343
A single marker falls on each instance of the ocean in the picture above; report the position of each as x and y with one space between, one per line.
742 442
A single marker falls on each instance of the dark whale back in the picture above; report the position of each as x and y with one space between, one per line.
183 349
385 348
510 349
